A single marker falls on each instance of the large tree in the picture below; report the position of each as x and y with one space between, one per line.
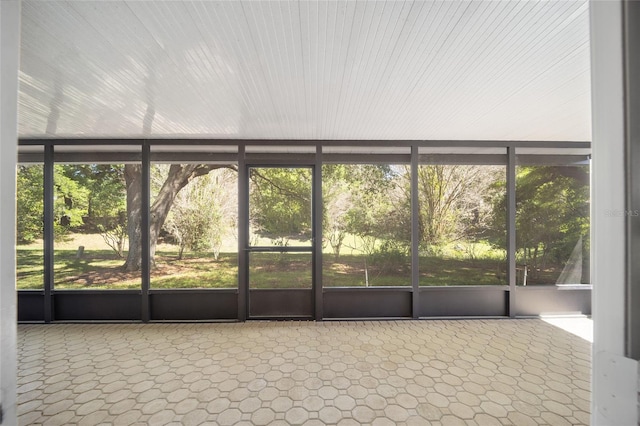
337 202
178 177
455 201
552 214
552 218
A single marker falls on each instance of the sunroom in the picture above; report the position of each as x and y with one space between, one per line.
311 160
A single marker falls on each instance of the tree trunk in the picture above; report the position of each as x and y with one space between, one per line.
133 182
179 176
121 242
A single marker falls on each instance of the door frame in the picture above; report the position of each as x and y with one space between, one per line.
245 248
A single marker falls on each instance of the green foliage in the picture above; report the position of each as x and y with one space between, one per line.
552 216
71 200
190 225
391 257
280 201
552 212
107 193
437 204
86 197
337 201
30 204
203 212
380 206
456 203
372 203
366 209
92 197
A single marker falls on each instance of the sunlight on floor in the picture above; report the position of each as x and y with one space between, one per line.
580 326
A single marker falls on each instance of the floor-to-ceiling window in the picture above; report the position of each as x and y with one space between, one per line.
462 218
366 218
193 225
96 222
552 220
229 230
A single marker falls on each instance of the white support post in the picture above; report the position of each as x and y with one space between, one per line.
9 53
613 376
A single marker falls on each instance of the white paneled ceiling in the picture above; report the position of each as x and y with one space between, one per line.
481 70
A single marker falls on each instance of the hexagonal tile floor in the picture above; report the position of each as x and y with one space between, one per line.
473 372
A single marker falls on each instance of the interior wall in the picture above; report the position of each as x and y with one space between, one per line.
613 375
9 48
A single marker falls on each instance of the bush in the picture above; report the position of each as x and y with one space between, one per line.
391 257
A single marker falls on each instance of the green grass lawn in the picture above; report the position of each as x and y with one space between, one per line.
280 270
195 271
30 268
100 268
435 271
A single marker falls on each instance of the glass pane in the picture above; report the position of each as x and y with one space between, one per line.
94 247
29 231
462 225
280 206
366 225
280 270
552 225
194 237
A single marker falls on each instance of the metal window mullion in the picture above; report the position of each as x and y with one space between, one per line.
317 234
48 232
415 234
145 231
511 229
243 234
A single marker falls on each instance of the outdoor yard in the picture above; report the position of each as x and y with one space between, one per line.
366 226
101 268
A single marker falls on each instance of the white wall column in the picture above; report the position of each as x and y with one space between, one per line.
613 375
9 52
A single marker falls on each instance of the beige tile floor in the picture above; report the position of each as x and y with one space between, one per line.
474 372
